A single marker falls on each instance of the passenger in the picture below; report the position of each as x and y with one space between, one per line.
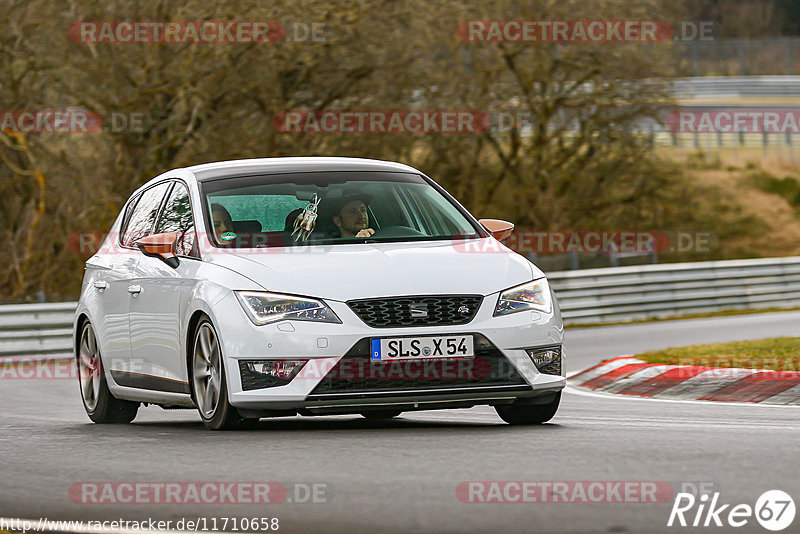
352 218
221 219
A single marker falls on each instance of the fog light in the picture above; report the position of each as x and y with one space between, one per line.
260 374
280 369
547 360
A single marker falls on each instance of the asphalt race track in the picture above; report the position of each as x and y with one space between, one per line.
401 475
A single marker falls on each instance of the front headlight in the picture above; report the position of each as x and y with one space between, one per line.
264 308
529 296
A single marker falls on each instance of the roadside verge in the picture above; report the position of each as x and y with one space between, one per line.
628 375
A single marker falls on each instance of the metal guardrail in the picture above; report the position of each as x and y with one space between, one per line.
36 330
736 87
586 296
652 291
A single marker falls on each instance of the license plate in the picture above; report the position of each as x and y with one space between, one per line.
415 348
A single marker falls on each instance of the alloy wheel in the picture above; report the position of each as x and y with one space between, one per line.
206 370
90 368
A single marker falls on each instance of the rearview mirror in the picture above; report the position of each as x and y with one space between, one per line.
500 230
161 246
306 195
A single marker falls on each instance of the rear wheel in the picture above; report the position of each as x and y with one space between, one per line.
209 386
381 414
527 413
101 406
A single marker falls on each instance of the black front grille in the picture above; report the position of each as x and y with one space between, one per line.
357 373
430 310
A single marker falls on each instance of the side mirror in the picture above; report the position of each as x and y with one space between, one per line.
161 246
500 230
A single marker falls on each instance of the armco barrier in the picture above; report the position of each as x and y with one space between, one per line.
647 291
36 330
585 296
736 87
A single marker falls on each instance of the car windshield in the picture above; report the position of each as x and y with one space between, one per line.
330 208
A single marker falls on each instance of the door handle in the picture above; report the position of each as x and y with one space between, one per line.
134 290
100 284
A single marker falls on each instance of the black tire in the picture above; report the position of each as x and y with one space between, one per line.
381 414
527 413
100 405
217 414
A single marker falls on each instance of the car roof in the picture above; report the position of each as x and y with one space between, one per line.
225 169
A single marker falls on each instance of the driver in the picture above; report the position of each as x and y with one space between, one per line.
351 217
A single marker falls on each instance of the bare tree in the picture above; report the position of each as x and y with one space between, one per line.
576 161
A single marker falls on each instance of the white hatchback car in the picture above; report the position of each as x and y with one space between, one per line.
312 286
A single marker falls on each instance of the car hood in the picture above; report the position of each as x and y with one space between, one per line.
344 272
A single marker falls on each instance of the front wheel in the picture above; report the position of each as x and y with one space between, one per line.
526 413
101 406
209 386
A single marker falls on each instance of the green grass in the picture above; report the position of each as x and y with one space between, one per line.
777 353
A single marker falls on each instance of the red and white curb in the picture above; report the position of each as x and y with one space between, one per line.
627 375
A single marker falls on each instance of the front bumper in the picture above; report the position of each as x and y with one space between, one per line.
324 345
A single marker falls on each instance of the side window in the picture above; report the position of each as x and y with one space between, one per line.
177 217
144 215
128 211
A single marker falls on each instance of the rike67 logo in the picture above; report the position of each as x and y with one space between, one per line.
774 510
